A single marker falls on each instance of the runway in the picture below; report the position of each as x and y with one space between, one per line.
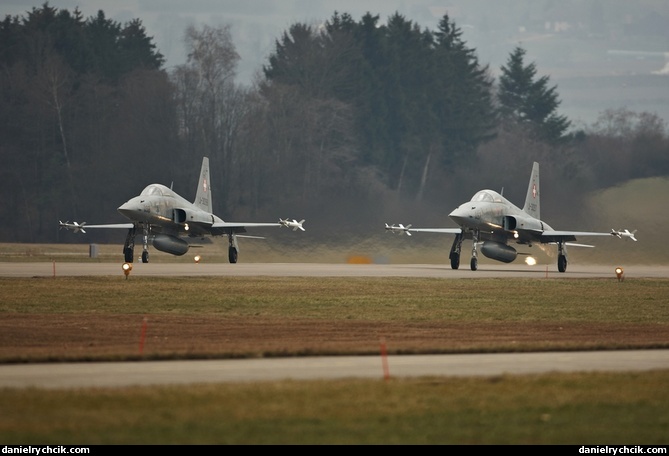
85 375
63 269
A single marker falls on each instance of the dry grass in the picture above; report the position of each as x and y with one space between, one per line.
567 409
97 318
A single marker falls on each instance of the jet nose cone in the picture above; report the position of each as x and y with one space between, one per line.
129 209
125 207
460 215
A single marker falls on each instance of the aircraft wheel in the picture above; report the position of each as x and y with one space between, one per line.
232 254
128 253
562 263
145 256
455 261
474 264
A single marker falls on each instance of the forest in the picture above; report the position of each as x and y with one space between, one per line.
355 120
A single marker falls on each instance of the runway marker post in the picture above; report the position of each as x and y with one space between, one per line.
54 269
384 359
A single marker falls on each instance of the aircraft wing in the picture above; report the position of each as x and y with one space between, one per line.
238 227
112 225
77 227
562 236
437 230
234 225
547 236
401 229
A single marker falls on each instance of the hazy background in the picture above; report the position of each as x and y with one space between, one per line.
622 61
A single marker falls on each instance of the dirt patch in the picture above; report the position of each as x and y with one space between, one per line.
54 337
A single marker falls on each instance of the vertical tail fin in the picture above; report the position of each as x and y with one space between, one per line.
203 195
532 198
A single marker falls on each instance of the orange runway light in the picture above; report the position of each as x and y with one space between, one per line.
619 273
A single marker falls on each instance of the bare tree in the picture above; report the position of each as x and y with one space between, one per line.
208 99
624 145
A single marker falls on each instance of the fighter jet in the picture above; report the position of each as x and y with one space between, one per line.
492 222
169 221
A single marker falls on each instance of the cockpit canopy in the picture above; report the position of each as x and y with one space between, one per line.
156 190
487 196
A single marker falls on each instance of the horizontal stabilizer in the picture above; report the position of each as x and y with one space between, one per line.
572 244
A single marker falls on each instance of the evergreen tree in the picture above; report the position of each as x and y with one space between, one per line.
465 105
137 49
80 100
421 99
525 100
371 103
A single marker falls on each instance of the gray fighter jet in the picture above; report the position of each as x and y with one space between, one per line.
168 221
492 222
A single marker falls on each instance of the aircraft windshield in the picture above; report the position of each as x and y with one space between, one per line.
152 190
486 196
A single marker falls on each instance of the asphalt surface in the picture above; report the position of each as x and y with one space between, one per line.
83 375
76 375
57 269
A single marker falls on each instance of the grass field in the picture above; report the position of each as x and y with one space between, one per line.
99 318
551 409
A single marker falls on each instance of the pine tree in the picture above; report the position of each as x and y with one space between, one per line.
465 105
526 100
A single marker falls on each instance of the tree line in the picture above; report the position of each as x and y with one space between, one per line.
346 119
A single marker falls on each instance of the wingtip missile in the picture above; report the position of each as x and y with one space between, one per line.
74 226
624 234
627 234
294 224
401 229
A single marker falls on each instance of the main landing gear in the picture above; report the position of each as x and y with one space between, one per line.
233 249
454 256
562 257
129 246
456 248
